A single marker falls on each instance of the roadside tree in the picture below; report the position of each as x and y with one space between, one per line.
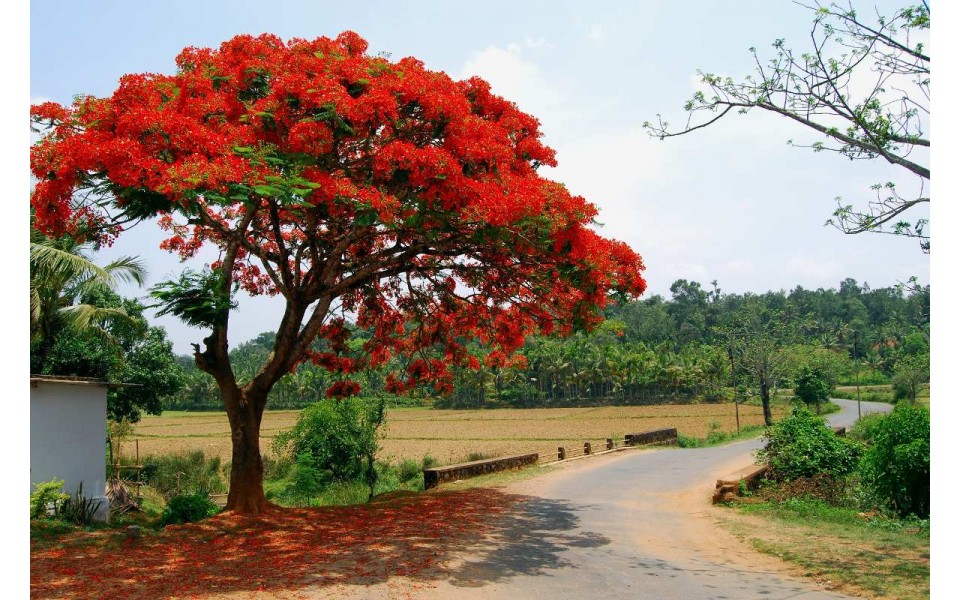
757 339
909 373
812 387
352 187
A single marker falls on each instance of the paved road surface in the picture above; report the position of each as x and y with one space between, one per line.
632 524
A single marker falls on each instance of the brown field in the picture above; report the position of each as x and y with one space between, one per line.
451 435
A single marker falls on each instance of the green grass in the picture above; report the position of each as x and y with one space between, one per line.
715 438
851 550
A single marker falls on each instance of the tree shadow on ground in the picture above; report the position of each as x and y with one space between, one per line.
529 540
469 538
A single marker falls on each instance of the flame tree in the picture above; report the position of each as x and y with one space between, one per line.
351 186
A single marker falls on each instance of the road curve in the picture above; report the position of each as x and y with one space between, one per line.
632 524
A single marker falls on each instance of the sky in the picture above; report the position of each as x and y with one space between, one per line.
732 202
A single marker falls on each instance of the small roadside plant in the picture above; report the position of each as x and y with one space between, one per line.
801 445
47 498
78 509
189 509
896 465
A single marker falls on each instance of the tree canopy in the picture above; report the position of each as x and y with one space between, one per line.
347 184
863 84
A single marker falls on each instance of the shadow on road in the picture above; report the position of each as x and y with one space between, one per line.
528 540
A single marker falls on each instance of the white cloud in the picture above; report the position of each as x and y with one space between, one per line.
520 80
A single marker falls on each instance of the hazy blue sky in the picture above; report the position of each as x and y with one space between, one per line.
732 202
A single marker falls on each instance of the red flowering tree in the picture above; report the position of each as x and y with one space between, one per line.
350 185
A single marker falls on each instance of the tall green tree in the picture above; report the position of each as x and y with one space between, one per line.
757 339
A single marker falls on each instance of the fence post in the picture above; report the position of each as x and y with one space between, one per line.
609 443
561 453
586 447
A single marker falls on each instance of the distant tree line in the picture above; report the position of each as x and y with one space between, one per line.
698 344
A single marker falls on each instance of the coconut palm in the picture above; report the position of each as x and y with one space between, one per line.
62 279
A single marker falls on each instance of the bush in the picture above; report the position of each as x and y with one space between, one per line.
865 429
338 436
812 387
801 445
308 480
408 469
184 474
189 509
896 466
45 496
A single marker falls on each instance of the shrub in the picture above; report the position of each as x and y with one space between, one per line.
308 480
896 466
408 469
47 495
189 509
184 474
865 429
474 456
338 436
801 445
812 387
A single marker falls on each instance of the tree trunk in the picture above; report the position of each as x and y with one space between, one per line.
765 399
246 495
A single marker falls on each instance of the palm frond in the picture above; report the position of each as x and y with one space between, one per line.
128 269
48 262
87 316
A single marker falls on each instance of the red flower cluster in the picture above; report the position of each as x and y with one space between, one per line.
337 179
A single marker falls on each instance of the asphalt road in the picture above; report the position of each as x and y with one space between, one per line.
633 524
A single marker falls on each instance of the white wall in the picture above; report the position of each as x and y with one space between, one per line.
67 431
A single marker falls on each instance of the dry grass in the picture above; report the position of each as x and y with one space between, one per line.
450 435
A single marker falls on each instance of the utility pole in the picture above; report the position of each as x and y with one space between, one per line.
856 358
733 376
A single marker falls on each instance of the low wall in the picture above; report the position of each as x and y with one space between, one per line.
657 436
437 475
729 487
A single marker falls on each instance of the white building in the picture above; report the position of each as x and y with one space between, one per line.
68 429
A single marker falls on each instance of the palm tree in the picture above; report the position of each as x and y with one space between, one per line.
62 277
